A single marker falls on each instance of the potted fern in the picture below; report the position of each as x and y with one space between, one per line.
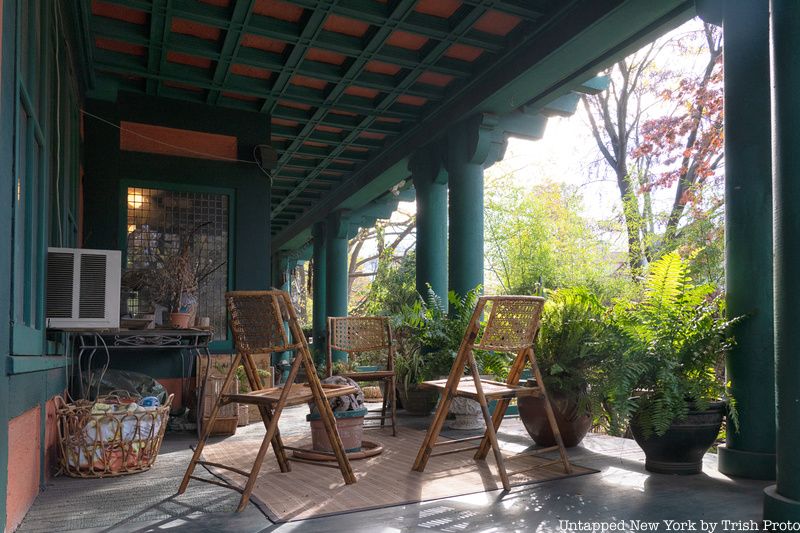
570 354
664 376
428 340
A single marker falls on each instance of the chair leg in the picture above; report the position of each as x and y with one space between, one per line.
256 468
207 429
551 417
433 432
490 432
385 384
393 396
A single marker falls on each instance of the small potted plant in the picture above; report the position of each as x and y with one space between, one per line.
663 376
349 412
570 355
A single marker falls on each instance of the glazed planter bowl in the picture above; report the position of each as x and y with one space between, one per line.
681 449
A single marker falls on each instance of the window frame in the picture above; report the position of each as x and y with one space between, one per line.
218 346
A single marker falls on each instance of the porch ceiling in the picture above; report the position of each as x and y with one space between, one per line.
352 86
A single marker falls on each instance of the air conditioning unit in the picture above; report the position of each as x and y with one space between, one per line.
83 288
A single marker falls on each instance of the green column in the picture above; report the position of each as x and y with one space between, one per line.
318 291
336 269
472 144
750 451
782 500
430 182
465 269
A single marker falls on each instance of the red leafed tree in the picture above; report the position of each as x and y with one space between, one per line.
660 127
689 143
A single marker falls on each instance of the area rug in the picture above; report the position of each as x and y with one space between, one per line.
385 480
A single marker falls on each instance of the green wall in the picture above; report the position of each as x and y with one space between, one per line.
108 171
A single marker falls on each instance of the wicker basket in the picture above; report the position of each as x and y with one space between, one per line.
109 437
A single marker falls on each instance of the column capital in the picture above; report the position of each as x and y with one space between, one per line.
318 230
426 165
338 224
478 140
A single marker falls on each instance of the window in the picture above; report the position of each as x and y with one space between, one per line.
158 221
30 171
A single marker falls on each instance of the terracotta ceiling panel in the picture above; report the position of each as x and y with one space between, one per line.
406 40
325 56
186 59
284 122
372 135
464 52
306 81
343 112
497 23
435 78
363 92
379 67
278 10
119 46
411 100
294 105
438 8
345 26
195 29
114 11
329 129
263 43
251 72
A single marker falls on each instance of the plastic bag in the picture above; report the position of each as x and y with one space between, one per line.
135 383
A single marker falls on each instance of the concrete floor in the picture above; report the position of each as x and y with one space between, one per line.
621 494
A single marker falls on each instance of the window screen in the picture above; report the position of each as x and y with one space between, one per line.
159 221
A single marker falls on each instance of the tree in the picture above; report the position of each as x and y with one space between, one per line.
377 255
538 239
681 147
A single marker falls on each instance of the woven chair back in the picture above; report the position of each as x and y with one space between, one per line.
257 321
359 334
513 322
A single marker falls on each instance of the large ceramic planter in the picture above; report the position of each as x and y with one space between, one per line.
681 449
572 424
350 425
418 401
467 413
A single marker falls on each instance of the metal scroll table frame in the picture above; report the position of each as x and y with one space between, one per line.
194 341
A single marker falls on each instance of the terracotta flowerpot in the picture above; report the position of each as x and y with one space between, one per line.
180 320
572 425
681 449
350 425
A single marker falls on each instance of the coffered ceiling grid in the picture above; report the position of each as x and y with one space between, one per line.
340 79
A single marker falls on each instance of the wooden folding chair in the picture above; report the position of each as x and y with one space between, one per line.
257 323
359 335
512 326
